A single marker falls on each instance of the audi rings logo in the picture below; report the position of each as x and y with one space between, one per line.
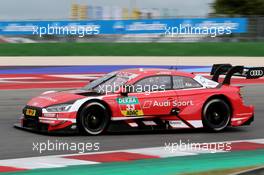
256 73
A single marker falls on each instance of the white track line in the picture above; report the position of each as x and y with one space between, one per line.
61 160
43 162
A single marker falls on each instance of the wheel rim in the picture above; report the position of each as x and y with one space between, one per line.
218 115
94 120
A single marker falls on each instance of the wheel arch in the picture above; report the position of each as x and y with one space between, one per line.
91 101
222 97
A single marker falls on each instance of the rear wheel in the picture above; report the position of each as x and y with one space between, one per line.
216 115
93 119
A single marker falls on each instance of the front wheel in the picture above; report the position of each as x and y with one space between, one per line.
93 119
216 115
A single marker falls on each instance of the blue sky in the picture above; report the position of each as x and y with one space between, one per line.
60 9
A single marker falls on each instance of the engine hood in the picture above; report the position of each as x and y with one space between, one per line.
52 98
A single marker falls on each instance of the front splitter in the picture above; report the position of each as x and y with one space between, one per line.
34 130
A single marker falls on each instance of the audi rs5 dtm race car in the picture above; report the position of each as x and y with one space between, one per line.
144 99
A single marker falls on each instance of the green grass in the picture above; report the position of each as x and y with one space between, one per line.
134 49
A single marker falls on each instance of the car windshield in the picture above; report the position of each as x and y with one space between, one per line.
108 83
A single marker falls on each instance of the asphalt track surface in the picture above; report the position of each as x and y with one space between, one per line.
16 143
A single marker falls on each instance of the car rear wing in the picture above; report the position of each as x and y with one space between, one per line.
241 71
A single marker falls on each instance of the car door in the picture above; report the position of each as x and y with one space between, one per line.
189 99
154 95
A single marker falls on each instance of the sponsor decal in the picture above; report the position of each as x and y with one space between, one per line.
205 82
47 98
177 124
130 106
167 103
31 112
256 73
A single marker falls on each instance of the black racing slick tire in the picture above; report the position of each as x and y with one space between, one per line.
216 115
93 119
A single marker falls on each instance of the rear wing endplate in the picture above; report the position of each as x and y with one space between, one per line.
229 71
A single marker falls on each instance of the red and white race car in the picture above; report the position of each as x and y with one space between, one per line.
144 99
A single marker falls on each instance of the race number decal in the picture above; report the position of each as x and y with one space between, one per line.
129 106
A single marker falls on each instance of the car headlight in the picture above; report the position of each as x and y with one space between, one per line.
59 108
